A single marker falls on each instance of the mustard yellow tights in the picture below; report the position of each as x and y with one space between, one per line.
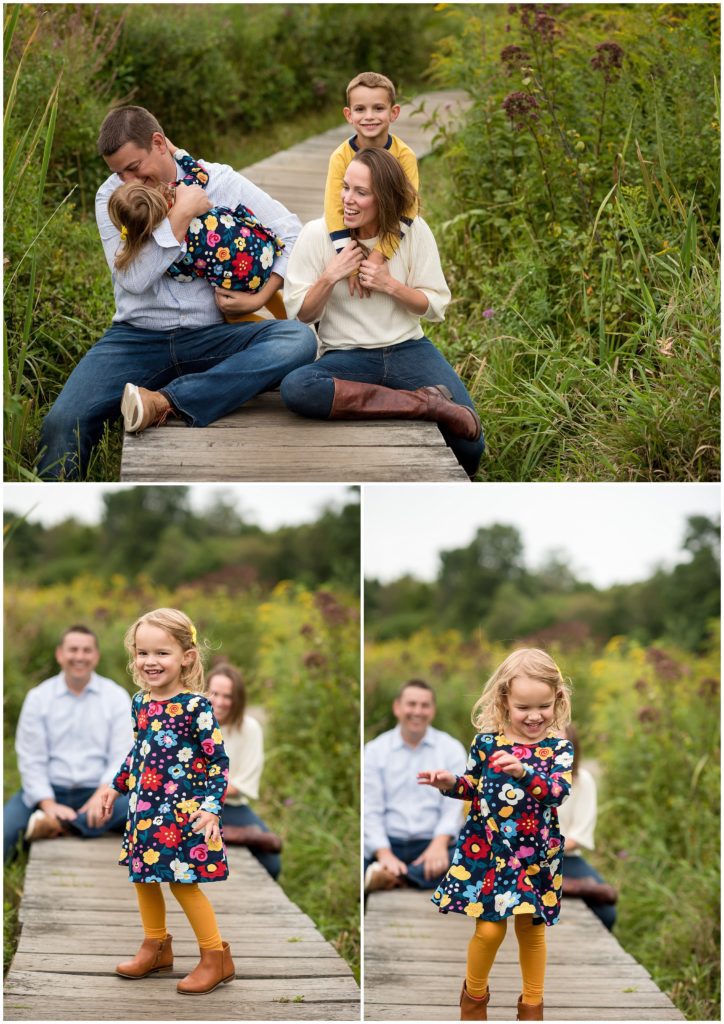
194 904
484 945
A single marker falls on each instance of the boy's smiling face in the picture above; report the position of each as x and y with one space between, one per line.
371 114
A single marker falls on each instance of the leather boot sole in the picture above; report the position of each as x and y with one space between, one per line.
131 409
224 981
140 977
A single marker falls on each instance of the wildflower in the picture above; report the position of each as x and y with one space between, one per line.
521 109
514 57
609 60
488 313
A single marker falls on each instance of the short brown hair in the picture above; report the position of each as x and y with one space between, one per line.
127 124
420 684
372 80
238 690
393 190
136 210
78 628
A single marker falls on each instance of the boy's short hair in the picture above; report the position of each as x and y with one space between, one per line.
372 80
127 124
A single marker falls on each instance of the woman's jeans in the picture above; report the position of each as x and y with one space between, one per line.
242 814
206 373
577 867
309 391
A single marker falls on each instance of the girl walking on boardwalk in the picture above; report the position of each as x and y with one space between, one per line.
176 774
508 857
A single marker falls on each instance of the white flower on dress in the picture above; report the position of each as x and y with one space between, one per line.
564 760
227 220
185 754
133 800
195 226
505 900
267 256
510 794
205 720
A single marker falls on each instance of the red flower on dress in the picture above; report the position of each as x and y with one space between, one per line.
527 824
168 835
537 786
211 870
208 746
142 718
242 264
198 764
488 881
151 779
475 847
122 780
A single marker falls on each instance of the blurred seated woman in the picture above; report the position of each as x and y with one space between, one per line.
577 819
375 361
244 743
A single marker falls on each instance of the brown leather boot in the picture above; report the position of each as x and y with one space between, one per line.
590 890
356 401
142 408
154 956
253 837
529 1011
213 969
472 1008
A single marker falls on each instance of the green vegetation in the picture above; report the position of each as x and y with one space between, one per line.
290 621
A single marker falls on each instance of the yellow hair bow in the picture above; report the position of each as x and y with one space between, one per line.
193 634
124 232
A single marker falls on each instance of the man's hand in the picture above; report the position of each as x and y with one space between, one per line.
108 798
434 858
55 810
206 822
93 807
393 864
440 779
239 303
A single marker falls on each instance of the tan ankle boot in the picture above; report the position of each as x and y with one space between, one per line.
142 408
529 1011
356 401
154 956
472 1008
213 969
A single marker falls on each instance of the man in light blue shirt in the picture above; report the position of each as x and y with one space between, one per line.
409 831
169 341
73 733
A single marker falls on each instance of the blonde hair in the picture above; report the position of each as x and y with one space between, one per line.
136 210
490 713
372 80
181 629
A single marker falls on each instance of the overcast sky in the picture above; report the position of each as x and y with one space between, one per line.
612 533
267 505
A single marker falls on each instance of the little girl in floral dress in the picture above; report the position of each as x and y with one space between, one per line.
176 774
508 857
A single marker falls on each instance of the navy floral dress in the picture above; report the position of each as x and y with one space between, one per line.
230 248
509 854
176 765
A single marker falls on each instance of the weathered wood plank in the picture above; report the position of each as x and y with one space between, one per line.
415 963
79 919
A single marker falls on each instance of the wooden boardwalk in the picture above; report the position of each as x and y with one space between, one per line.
414 965
262 441
80 918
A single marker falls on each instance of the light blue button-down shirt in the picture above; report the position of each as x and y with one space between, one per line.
396 806
71 740
146 296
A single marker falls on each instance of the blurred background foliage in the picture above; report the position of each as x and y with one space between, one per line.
644 663
283 605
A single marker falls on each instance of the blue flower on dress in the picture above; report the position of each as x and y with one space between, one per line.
176 771
166 738
472 892
509 829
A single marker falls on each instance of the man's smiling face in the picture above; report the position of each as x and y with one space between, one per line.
132 162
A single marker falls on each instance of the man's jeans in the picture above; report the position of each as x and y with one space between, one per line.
206 372
408 850
309 391
16 816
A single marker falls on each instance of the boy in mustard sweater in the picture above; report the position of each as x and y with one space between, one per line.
371 108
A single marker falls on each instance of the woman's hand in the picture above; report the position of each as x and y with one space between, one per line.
502 761
344 263
206 822
107 801
374 274
440 779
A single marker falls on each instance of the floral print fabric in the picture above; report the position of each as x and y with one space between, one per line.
509 853
176 766
230 248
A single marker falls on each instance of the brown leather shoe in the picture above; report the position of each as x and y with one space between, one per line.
472 1008
154 956
142 408
590 890
213 969
529 1011
379 879
43 826
253 837
354 401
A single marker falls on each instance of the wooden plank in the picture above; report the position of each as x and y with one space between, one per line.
415 963
79 919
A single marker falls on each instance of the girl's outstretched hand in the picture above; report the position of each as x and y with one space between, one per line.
502 761
440 779
206 822
107 801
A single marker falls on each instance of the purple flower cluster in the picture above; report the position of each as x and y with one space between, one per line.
521 108
609 60
514 57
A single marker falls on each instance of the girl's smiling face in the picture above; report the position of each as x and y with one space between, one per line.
531 708
159 660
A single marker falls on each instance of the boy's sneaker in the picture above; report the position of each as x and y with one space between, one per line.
42 826
142 408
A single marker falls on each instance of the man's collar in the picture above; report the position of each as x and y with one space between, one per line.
398 740
62 689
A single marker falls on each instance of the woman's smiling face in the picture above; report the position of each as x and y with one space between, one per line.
359 201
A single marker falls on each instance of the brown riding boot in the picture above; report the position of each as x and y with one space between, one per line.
529 1011
356 401
590 890
253 837
154 956
472 1008
142 408
213 969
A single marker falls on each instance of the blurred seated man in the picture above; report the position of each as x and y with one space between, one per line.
409 831
73 733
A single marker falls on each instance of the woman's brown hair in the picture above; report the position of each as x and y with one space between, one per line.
393 190
238 690
136 210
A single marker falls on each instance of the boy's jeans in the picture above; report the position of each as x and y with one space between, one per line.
309 391
206 372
